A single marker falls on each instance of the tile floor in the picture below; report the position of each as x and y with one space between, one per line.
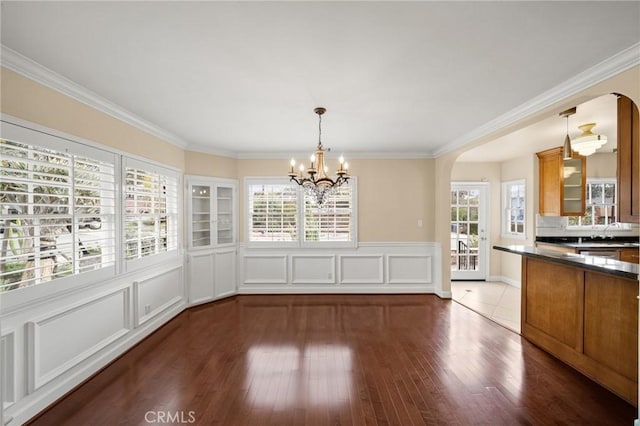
498 301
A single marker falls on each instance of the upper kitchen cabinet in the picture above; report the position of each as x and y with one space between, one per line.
211 212
562 183
628 161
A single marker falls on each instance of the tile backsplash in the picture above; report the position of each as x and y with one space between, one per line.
552 226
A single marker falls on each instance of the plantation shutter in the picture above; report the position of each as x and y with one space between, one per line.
333 221
151 210
56 211
273 212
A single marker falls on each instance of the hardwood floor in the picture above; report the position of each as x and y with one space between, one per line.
339 360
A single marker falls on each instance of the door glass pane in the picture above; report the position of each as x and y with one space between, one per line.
464 230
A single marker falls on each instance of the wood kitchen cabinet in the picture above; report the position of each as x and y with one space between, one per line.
562 183
631 255
628 161
587 319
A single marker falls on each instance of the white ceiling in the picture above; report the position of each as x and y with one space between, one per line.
244 77
550 133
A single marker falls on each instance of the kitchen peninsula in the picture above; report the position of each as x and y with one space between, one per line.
584 311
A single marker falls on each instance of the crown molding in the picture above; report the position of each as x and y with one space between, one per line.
204 149
32 70
286 156
391 155
620 62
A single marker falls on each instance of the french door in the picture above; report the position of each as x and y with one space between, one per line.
468 231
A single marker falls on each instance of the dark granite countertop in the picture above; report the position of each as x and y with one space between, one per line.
593 263
589 242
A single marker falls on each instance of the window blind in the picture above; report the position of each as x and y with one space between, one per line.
273 212
151 212
57 213
333 220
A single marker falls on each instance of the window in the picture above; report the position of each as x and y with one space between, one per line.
331 221
601 204
151 210
273 211
513 207
279 212
57 215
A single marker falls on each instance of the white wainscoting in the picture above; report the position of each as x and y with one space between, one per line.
54 344
7 368
313 269
409 268
369 268
361 269
58 341
156 293
263 269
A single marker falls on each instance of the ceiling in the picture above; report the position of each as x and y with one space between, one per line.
550 133
244 77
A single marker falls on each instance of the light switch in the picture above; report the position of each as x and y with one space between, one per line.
419 223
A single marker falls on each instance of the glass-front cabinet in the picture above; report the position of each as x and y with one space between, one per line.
201 222
211 218
211 227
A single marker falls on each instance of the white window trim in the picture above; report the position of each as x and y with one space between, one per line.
599 227
299 243
505 220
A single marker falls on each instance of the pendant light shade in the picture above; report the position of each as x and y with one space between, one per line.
588 142
567 151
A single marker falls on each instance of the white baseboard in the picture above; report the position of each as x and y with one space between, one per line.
506 280
443 294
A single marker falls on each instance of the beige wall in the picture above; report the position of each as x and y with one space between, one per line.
602 165
201 164
524 167
392 196
25 99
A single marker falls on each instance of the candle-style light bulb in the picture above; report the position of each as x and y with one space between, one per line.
313 158
346 166
326 169
301 168
341 160
293 162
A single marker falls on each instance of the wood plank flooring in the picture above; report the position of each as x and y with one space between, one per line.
337 360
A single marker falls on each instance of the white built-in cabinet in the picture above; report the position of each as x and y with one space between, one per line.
211 223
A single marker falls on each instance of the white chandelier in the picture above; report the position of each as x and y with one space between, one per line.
316 183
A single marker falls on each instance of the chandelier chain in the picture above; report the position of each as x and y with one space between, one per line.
320 131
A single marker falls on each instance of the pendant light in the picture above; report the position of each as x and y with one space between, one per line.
588 142
567 151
